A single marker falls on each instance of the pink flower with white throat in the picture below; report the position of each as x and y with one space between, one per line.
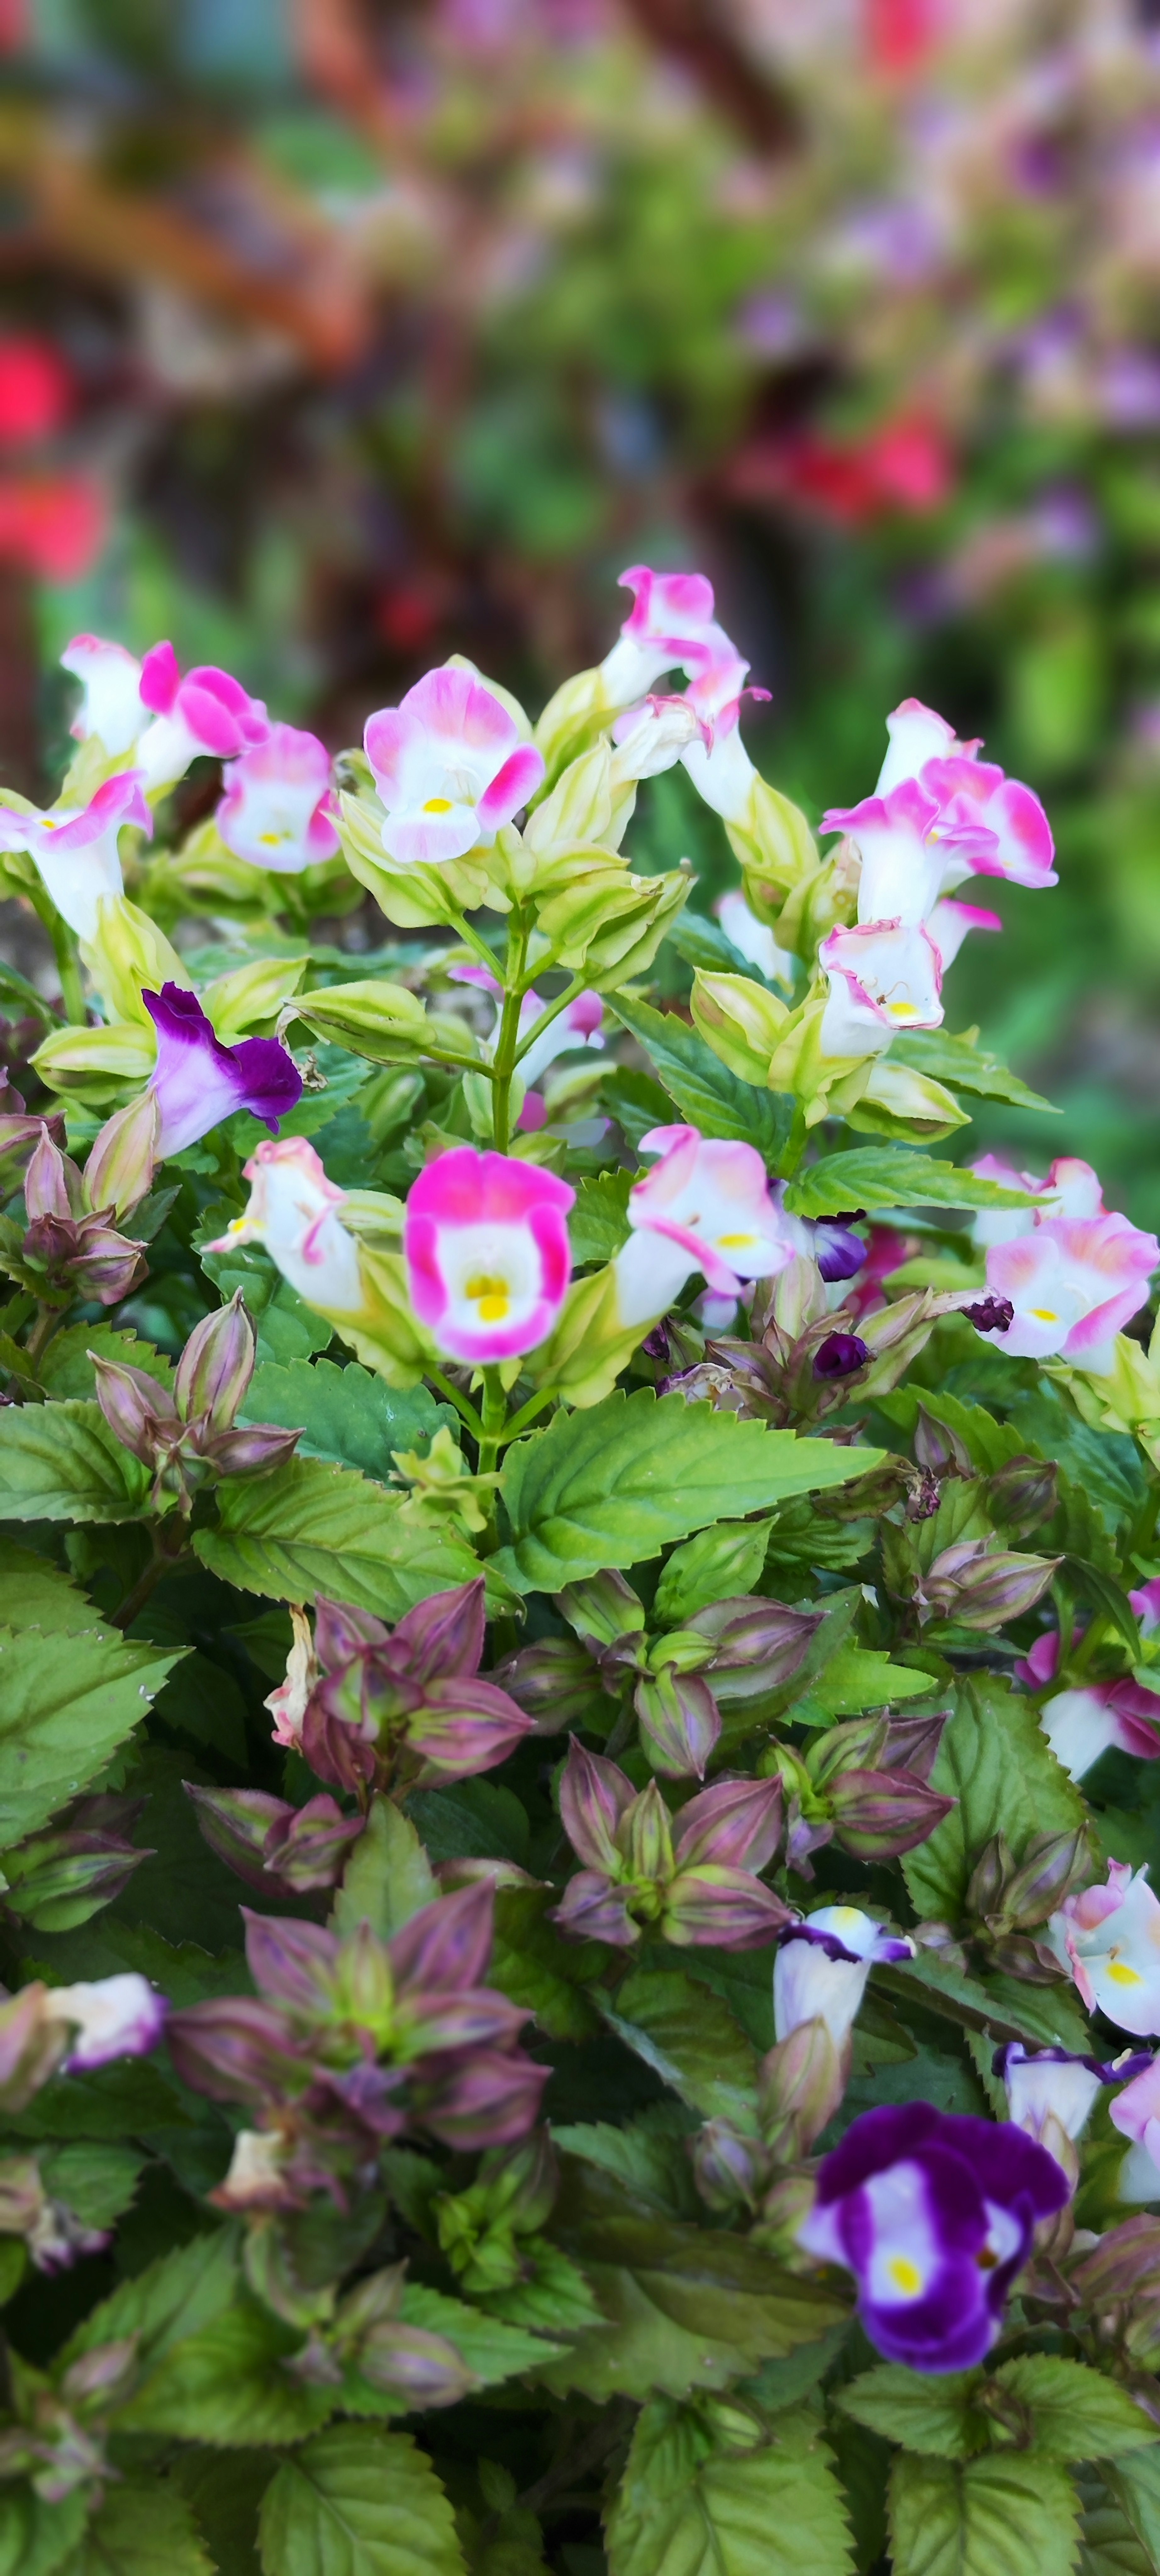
295 1211
884 977
74 849
206 712
910 854
1074 1283
278 807
973 795
1082 1723
1136 2114
705 1206
672 626
450 766
111 705
1109 1940
487 1252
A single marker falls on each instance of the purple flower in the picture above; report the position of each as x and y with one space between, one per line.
840 1354
838 1251
199 1081
934 2213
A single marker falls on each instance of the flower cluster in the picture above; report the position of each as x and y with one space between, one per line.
408 1705
697 1885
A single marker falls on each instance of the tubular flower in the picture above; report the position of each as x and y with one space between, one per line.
950 923
705 1206
910 854
1081 1724
822 1967
753 940
450 767
278 807
293 1210
414 1700
972 794
1108 1938
699 1885
1136 2113
111 706
1073 1283
1071 1189
1045 2085
934 2213
198 1081
74 849
883 977
672 626
207 711
487 1253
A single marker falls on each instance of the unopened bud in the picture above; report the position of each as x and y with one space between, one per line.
554 1682
939 1448
783 2213
912 1743
978 1585
124 1157
840 1355
802 2082
757 1645
648 1837
250 1449
1051 1866
856 1745
1023 1493
134 1405
102 2376
988 1882
879 1814
408 2362
602 1610
216 1366
679 1723
728 2167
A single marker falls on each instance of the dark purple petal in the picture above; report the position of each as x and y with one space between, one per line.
840 1355
872 2142
837 1250
198 1081
271 1085
953 2328
991 1314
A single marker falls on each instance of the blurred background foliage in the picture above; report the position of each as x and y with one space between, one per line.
337 335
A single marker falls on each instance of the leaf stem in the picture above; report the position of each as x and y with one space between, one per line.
550 1012
462 1403
64 949
163 1561
494 1410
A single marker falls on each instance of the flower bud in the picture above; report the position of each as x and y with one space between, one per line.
279 1849
878 1814
102 2376
124 1157
250 1449
912 1743
135 1406
981 1586
602 1610
757 1645
840 1355
47 1179
647 1837
802 2082
553 1681
939 1449
727 2167
216 1366
679 1723
410 2363
1051 1866
988 1882
722 1909
57 1880
1023 1493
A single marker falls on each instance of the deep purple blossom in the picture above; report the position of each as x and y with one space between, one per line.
198 1081
934 2213
840 1354
838 1251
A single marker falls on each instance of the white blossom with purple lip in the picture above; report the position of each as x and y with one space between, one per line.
114 2017
1136 2113
1045 2084
198 1081
822 1966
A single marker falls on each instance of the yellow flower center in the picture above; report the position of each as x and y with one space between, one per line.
492 1296
1120 1974
1045 1314
734 1242
270 840
901 1010
437 805
905 2275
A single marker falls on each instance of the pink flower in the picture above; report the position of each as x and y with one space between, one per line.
450 767
52 524
1109 1939
910 854
487 1253
672 626
1081 1724
973 795
35 389
111 706
75 848
1136 2113
950 923
1074 1283
1146 1604
294 1211
278 806
705 1206
883 977
207 711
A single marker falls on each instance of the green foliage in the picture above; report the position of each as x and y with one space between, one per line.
68 1700
139 2527
995 1762
688 2506
314 1528
345 1415
990 2517
358 2503
890 1176
60 1462
703 1089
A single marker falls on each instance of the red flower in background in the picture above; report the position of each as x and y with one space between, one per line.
905 465
35 389
900 34
52 525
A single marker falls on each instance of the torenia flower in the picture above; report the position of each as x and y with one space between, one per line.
74 848
671 625
1136 2113
487 1253
973 795
950 923
207 711
110 707
934 2213
1073 1284
293 1210
115 2017
450 767
1109 1939
822 1966
884 977
278 806
1082 1724
198 1081
753 940
1047 2084
705 1206
1071 1189
910 854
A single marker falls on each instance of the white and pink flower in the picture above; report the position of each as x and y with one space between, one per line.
148 709
973 795
884 977
1071 1189
294 1211
111 706
1074 1283
1082 1723
1136 2114
278 808
487 1252
705 1206
950 923
1109 1940
74 848
114 2017
909 851
672 626
578 1025
450 766
753 939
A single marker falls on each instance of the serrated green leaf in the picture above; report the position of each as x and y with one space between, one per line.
718 1565
491 2347
995 1760
348 1416
685 2508
358 2503
705 1091
1110 2546
650 2163
67 1371
66 1703
611 1486
35 1594
227 2385
38 2539
553 2298
598 1224
314 1528
1077 2414
1002 2516
689 2038
534 1966
225 2490
61 1462
858 1677
174 2298
139 2529
966 1067
1007 2007
1135 2485
95 2178
891 1176
932 2416
387 1877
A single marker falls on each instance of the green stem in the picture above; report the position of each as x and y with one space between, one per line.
527 1413
507 1042
494 1411
41 1335
64 949
163 1561
545 1018
472 939
463 1406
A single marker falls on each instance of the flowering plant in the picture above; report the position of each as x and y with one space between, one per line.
644 1578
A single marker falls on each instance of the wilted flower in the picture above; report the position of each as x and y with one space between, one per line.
191 1437
278 807
1108 1938
822 1967
412 1700
697 1886
75 848
114 2017
198 1081
487 1253
934 2213
705 1206
450 767
287 1704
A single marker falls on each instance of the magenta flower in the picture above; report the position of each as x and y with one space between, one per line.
672 624
1082 1723
1073 1284
207 711
934 2213
706 1206
198 1081
1136 2113
910 855
487 1253
972 794
279 804
884 977
450 766
111 705
698 1886
75 848
413 1701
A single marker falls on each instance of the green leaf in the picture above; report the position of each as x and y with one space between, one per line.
491 2347
347 1415
227 2384
649 2162
687 2508
1110 2546
1003 2516
66 1703
472 1820
705 1092
611 1486
858 1677
1007 2007
387 1878
891 1176
553 2297
966 1067
225 2491
689 2038
1135 2485
34 1594
995 1760
718 1565
37 2539
358 2503
66 1369
932 2416
175 2298
313 1528
1077 2414
598 1224
141 2528
98 2180
534 1966
61 1462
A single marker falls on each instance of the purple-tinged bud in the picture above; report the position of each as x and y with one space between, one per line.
912 1743
736 1824
135 1406
1124 2264
802 2081
989 1879
446 1944
465 1725
723 1909
991 1315
442 1638
854 1746
1024 1493
52 1185
124 1157
490 2100
727 2167
97 1262
840 1355
32 2044
939 1448
602 1610
236 2049
679 1723
593 1908
1052 1866
252 1449
19 1135
275 1847
757 1645
878 1814
216 1366
978 1585
103 2376
58 1880
553 1682
410 2363
595 1796
646 1837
